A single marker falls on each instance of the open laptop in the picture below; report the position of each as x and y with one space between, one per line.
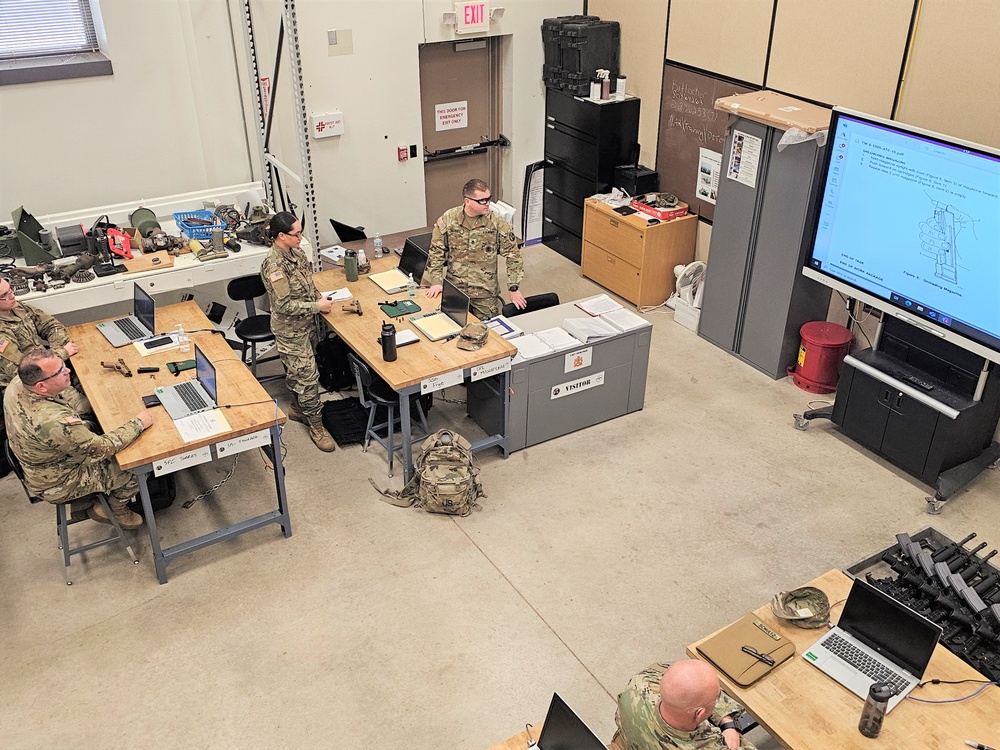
564 730
877 639
412 261
191 396
450 319
137 326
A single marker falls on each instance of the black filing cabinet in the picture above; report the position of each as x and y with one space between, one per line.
584 142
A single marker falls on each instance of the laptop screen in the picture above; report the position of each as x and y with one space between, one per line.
454 303
143 307
204 370
889 627
564 730
414 257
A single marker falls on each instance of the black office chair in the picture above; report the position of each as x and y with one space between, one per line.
255 328
347 233
63 523
535 302
373 392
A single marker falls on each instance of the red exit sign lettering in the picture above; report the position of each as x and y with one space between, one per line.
472 17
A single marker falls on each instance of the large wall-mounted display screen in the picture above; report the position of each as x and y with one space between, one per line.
909 221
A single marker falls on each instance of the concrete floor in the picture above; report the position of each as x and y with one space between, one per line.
380 627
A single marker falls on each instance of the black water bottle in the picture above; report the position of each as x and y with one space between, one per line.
388 342
873 714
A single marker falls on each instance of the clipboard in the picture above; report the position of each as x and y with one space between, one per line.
725 650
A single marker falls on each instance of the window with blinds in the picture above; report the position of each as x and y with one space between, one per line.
36 28
48 40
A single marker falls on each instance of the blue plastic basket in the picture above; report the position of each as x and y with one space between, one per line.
198 231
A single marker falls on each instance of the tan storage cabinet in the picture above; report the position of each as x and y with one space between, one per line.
632 259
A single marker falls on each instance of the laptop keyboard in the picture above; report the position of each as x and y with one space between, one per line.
864 663
130 329
190 396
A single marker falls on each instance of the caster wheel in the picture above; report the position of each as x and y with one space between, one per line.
800 422
934 506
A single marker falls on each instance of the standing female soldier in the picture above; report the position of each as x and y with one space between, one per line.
295 322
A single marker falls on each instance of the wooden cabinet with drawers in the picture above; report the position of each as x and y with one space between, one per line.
631 258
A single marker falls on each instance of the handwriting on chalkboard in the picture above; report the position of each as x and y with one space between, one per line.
692 109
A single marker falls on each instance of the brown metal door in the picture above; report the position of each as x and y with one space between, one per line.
460 105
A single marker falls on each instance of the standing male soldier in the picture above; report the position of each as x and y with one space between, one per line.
62 459
469 238
23 328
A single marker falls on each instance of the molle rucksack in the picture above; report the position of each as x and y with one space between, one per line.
445 477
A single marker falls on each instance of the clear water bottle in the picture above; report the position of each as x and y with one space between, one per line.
873 714
378 245
183 342
411 287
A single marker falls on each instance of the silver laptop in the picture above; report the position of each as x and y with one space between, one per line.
447 321
137 326
412 262
191 396
877 639
564 730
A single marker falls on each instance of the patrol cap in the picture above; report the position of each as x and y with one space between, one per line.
473 336
807 607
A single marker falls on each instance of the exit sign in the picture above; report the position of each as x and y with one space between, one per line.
472 17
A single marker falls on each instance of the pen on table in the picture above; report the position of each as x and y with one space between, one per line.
758 656
977 745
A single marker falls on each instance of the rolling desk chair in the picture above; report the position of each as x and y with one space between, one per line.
347 233
535 302
254 328
374 393
63 523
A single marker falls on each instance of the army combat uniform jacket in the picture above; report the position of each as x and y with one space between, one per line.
640 726
62 458
295 322
471 247
25 328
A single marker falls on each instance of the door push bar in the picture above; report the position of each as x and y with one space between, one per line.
472 148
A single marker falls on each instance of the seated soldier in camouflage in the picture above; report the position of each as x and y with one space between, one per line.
23 328
296 322
62 459
470 239
677 705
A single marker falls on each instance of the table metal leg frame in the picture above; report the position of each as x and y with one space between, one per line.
163 556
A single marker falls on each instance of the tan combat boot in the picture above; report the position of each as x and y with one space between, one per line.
319 435
295 413
126 518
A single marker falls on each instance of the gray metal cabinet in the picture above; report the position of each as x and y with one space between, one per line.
756 297
539 410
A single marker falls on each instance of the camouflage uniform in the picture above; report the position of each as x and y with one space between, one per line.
25 328
640 726
295 322
62 458
471 245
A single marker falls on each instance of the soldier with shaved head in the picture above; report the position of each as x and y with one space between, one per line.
677 705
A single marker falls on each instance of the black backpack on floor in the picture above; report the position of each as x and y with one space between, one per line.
331 360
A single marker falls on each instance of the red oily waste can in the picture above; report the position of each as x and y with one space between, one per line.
821 355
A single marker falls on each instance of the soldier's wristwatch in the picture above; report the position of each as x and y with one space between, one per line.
728 725
513 287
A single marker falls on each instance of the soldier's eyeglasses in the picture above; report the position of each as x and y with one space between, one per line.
8 295
480 201
61 371
294 234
